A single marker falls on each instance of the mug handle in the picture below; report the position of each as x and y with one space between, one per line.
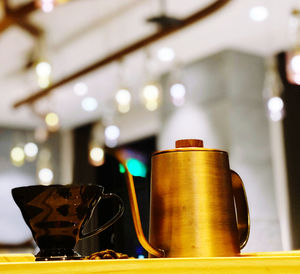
108 223
242 210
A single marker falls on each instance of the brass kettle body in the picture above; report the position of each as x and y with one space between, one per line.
198 206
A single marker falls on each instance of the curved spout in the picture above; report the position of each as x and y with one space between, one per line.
135 211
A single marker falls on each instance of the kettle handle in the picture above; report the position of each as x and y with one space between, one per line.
135 211
242 209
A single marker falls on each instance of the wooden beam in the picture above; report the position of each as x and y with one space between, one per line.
201 14
30 28
11 15
25 9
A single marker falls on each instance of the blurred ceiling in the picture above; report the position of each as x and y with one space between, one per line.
78 32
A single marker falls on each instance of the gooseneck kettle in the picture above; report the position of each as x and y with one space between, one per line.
198 204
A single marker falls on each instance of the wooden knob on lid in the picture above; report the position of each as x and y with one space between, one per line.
189 143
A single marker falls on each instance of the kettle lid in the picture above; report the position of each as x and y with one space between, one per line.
188 145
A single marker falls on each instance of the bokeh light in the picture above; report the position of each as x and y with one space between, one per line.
80 89
150 92
43 69
151 95
112 132
17 156
177 92
295 63
89 104
45 176
166 54
31 150
52 121
123 99
275 104
96 156
276 108
259 13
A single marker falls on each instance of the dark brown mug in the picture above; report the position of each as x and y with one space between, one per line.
57 215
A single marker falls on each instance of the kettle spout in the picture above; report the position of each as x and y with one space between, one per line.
135 212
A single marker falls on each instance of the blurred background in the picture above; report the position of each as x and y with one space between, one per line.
80 76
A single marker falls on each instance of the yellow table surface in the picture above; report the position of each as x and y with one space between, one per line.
263 262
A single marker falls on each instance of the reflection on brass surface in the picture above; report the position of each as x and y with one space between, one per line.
192 210
240 199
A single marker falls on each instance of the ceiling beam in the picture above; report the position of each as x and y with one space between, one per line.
195 17
14 16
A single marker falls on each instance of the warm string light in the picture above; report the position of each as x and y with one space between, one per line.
166 54
17 156
31 150
275 107
259 13
52 121
45 176
96 155
46 5
45 172
151 96
272 91
123 94
96 151
177 92
151 92
112 134
43 70
88 103
123 99
20 153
